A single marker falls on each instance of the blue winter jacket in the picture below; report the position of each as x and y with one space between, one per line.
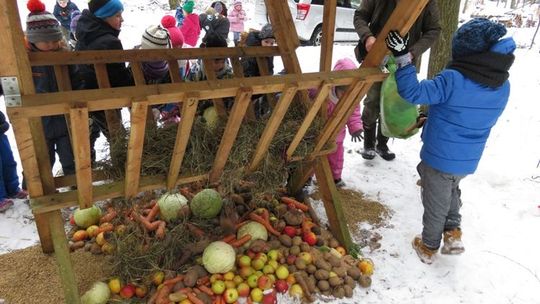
461 114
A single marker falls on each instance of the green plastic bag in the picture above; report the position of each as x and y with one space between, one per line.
398 117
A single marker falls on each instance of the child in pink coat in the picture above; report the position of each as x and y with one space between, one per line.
237 16
354 123
191 29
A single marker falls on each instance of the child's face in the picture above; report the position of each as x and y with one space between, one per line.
268 42
63 3
340 91
238 7
48 46
219 64
115 21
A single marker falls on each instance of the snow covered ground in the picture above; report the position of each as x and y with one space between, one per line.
501 201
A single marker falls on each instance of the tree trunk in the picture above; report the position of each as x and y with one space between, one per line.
465 5
173 4
441 50
513 4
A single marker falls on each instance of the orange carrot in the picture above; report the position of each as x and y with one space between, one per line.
206 290
153 212
294 203
149 226
163 296
241 241
160 232
109 216
198 232
203 280
150 205
229 238
193 298
174 280
266 224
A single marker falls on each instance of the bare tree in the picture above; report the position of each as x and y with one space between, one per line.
441 50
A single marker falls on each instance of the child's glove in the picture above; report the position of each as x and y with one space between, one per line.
357 136
397 44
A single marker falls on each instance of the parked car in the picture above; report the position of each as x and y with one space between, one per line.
308 17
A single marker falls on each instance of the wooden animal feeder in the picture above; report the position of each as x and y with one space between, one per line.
25 109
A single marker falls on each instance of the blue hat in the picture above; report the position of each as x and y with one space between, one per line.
104 9
476 36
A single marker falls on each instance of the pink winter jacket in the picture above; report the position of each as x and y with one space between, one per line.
191 29
236 18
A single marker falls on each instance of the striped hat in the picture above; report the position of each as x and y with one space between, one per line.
41 26
155 37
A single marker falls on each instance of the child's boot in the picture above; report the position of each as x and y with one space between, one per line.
452 242
425 254
5 204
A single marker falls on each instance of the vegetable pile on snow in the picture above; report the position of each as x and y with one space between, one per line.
206 204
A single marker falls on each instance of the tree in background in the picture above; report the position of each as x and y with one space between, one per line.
441 50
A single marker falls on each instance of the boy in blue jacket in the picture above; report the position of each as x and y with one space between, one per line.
465 100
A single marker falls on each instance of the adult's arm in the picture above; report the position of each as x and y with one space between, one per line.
362 18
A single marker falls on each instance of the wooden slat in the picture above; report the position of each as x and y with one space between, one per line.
189 109
135 148
243 98
138 75
71 180
108 56
332 203
324 89
81 151
328 28
63 258
262 63
237 67
59 103
113 121
174 71
56 201
331 149
62 77
211 75
273 125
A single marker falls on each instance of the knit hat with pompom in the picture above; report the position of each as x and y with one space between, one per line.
41 26
177 38
476 36
155 37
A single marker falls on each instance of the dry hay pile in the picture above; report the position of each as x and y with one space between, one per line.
203 144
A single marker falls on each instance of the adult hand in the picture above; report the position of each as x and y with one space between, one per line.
421 120
397 44
357 136
370 41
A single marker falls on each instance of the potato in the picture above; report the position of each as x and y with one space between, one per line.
327 255
206 299
76 245
191 277
294 250
340 271
274 244
354 272
334 261
305 247
311 269
201 271
339 292
364 281
322 264
297 240
327 292
333 243
311 283
285 240
321 274
87 246
285 251
292 268
323 285
350 282
178 286
95 249
348 291
300 264
259 246
335 281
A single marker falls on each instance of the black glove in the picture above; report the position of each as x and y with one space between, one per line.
421 120
357 136
397 44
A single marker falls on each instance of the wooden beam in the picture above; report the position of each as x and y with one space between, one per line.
262 63
273 125
71 180
174 69
241 102
324 89
138 75
114 123
63 258
108 56
81 151
328 28
135 147
208 65
189 109
332 203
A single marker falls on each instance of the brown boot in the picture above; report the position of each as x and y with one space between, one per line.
425 254
452 242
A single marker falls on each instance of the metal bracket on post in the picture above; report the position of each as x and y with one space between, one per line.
12 93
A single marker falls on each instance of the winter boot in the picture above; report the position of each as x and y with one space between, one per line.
385 153
5 204
369 142
339 183
22 194
452 242
425 254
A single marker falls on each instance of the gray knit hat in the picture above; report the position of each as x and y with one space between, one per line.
41 26
155 37
266 32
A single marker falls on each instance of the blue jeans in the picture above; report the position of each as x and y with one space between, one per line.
9 180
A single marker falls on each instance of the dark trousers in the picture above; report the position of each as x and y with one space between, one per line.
62 146
371 119
9 180
99 125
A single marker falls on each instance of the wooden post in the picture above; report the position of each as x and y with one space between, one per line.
328 28
81 151
208 65
114 122
135 148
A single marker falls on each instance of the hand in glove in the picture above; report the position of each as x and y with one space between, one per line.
397 44
357 136
421 120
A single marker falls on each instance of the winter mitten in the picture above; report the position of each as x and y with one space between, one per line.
357 136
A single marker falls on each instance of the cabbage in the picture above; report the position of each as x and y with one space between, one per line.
256 230
170 205
218 257
87 217
98 294
211 117
206 204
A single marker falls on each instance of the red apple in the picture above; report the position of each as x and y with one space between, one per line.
281 286
291 259
141 291
127 291
230 295
250 254
243 289
290 231
310 238
264 282
269 298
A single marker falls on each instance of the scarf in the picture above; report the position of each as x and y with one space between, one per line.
489 68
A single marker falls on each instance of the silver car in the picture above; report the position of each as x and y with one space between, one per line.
308 18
